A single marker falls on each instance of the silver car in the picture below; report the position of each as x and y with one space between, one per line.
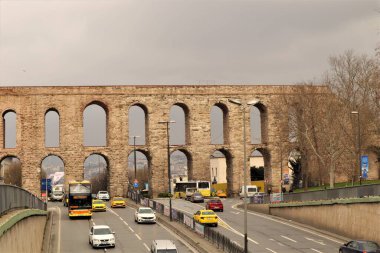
197 197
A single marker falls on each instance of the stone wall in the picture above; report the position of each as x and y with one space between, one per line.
31 103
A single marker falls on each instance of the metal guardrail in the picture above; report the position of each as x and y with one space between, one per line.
337 193
14 197
219 240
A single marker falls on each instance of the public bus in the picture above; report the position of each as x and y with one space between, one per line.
203 187
80 199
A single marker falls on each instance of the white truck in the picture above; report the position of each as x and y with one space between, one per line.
57 193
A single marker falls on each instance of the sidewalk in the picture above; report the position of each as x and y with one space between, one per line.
195 240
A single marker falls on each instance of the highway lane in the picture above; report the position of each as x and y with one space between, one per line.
265 233
130 236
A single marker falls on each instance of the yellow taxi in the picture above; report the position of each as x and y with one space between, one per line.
98 205
221 194
118 202
206 217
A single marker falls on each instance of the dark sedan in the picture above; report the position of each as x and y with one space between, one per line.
359 247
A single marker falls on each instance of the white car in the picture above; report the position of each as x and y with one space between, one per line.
103 195
145 215
166 246
101 236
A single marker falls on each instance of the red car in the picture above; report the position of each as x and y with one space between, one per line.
214 204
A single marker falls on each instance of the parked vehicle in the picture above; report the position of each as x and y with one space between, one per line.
215 205
163 246
118 202
221 194
101 236
251 191
103 195
197 197
207 217
145 215
190 191
98 205
360 246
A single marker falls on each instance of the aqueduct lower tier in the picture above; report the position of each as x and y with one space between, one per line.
31 103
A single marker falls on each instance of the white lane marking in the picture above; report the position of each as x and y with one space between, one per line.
146 246
235 212
316 250
290 239
271 250
121 218
59 230
131 229
313 240
279 243
125 223
290 225
138 236
228 227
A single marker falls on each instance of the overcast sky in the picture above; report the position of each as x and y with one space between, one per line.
110 42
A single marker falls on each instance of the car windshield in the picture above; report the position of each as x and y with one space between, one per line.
166 251
208 213
145 210
118 199
103 192
102 231
98 202
197 194
251 189
370 246
215 201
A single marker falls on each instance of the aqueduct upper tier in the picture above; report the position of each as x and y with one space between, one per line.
30 104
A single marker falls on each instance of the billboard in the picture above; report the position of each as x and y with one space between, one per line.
364 166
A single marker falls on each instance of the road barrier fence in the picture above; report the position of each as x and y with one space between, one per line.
14 197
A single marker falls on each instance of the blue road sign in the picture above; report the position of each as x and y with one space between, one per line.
364 166
135 184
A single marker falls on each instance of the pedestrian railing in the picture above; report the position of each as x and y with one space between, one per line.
218 239
13 197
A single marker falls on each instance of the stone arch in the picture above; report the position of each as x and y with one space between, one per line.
52 135
186 122
225 132
10 170
262 128
95 138
265 180
189 161
221 171
96 170
9 128
52 166
144 176
144 137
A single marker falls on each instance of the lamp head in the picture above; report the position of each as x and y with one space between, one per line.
253 101
235 101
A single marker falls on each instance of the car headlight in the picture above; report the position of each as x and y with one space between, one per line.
96 241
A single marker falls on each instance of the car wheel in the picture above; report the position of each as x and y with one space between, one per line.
216 224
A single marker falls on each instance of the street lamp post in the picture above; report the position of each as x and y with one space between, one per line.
134 159
244 106
169 173
359 146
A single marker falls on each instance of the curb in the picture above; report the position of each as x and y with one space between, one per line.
194 240
19 216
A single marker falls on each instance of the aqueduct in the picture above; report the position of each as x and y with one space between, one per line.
30 104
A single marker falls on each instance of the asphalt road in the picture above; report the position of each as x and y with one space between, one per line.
130 236
265 233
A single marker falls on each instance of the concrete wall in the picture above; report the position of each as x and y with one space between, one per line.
24 236
352 220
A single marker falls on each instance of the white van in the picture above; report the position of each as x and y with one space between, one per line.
251 191
166 246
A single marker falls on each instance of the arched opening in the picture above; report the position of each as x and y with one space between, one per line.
51 128
95 125
258 124
179 166
10 171
295 169
219 124
10 129
96 171
221 171
179 132
260 174
52 173
138 169
137 124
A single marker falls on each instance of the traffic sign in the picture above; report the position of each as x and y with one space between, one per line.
135 183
